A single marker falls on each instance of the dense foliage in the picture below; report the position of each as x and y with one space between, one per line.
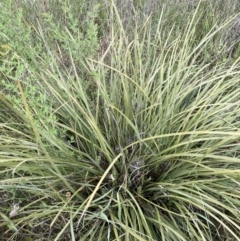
119 120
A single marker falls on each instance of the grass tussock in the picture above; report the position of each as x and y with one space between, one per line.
123 127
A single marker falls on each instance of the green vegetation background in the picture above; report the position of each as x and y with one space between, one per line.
120 120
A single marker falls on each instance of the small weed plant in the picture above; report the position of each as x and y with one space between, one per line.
125 129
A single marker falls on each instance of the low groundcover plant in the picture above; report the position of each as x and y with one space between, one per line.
141 142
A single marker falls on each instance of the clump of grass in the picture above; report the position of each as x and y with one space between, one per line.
142 142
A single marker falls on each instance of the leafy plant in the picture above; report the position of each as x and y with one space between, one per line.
142 142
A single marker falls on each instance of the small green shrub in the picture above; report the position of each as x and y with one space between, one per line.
47 45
